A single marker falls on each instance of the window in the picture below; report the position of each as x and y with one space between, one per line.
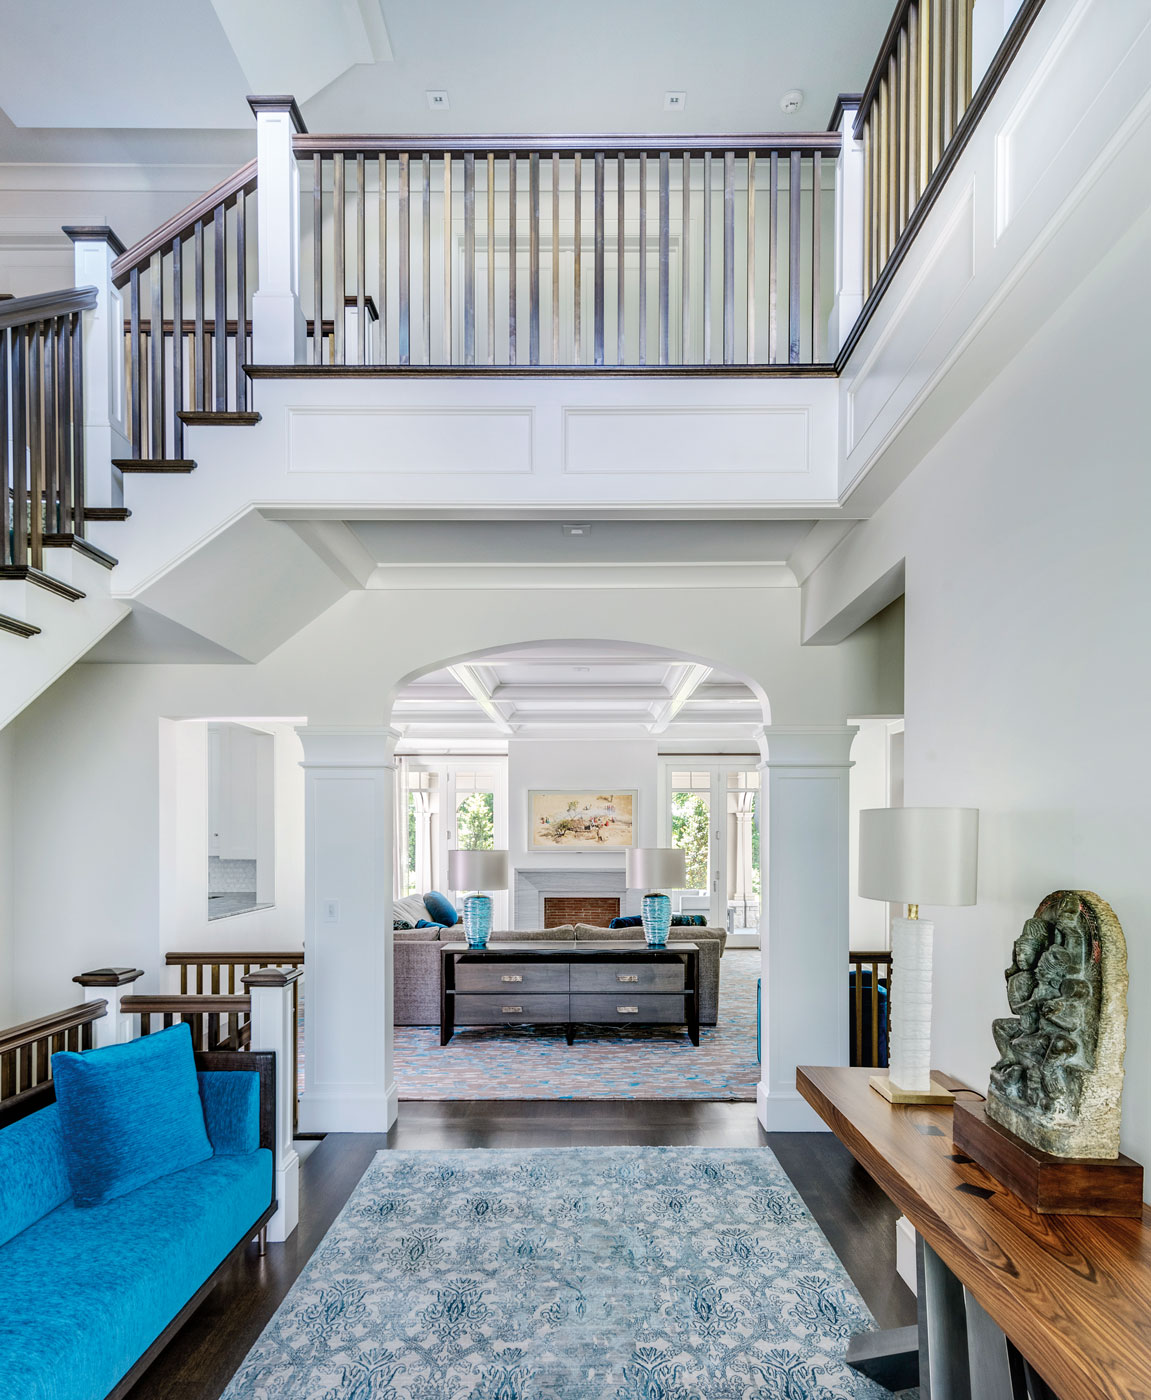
448 808
691 824
712 814
475 811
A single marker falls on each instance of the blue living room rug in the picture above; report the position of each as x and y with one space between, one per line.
623 1273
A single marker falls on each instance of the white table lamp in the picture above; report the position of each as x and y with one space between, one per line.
656 868
477 870
914 856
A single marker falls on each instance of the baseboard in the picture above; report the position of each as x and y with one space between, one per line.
330 1112
786 1111
905 1252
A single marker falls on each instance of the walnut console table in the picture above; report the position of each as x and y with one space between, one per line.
569 983
1012 1303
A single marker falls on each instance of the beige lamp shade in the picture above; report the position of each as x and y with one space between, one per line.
919 855
477 870
656 868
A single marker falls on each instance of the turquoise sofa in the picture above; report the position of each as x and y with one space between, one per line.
90 1294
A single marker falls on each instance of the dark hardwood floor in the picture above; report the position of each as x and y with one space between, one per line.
855 1215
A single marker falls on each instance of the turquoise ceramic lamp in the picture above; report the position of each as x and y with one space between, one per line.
656 868
477 870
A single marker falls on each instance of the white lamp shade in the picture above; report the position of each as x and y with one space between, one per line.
656 868
919 855
478 870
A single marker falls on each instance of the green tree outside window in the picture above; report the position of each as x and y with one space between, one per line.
475 822
691 832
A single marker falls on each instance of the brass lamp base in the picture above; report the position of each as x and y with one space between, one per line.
937 1094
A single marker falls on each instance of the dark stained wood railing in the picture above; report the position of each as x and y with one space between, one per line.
869 993
568 252
216 1022
223 973
917 93
41 424
26 1051
200 261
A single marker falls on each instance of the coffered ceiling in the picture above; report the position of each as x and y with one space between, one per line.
586 688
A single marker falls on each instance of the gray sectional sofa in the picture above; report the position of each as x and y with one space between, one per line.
417 963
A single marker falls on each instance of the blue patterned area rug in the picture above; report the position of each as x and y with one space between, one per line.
626 1273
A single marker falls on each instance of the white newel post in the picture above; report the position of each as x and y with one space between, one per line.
804 934
279 332
110 984
273 1028
848 228
349 1080
105 431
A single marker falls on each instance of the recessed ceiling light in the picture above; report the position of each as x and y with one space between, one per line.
576 531
583 670
674 101
437 99
791 101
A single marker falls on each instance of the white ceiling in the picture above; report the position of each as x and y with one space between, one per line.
136 70
587 688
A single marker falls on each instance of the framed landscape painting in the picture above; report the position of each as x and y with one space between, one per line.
581 821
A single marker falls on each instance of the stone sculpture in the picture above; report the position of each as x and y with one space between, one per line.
1059 1078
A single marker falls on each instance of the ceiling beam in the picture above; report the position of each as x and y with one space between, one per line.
563 691
694 676
479 693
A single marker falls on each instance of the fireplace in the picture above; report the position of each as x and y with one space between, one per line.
580 909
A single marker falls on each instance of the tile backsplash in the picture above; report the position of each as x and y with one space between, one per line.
231 876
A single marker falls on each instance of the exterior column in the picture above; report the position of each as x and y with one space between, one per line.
105 431
273 1028
804 929
848 227
349 1083
279 333
110 984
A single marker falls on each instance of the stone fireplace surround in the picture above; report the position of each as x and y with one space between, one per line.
531 887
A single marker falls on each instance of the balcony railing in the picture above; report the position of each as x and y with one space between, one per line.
568 252
41 424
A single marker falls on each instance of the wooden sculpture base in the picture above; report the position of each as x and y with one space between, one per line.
1049 1185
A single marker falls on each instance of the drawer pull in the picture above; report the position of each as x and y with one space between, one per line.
627 977
633 1009
515 977
511 1008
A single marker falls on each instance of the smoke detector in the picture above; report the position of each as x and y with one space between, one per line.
791 102
576 531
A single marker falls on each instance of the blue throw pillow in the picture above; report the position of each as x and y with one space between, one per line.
627 921
129 1114
442 910
427 923
689 921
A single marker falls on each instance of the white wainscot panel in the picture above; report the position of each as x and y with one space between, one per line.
899 354
743 438
414 440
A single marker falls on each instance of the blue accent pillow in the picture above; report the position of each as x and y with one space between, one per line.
689 921
441 909
627 921
32 1176
427 923
129 1114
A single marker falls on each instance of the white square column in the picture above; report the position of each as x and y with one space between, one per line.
804 940
279 332
95 248
349 1082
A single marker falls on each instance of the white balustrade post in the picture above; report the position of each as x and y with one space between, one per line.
279 333
848 227
110 984
804 940
349 1078
95 248
273 1028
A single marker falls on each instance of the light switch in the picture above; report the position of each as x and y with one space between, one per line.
331 911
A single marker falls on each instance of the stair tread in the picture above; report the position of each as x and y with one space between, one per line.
113 514
154 464
208 418
82 546
42 580
17 627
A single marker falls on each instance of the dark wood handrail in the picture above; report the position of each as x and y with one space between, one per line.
191 1003
15 1037
250 959
44 306
826 142
241 181
883 959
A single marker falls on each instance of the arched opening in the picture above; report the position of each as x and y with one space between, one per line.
565 753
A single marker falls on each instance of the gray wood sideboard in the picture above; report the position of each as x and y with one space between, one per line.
568 984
